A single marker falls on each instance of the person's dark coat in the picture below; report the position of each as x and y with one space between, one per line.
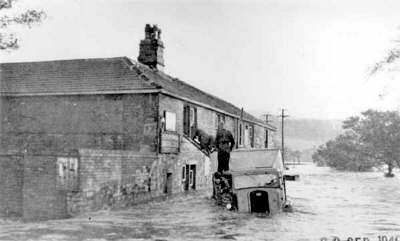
206 141
224 142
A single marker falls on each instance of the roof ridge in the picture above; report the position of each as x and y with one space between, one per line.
132 64
66 60
192 86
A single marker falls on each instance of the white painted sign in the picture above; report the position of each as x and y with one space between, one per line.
170 121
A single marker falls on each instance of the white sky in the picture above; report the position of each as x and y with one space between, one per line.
309 56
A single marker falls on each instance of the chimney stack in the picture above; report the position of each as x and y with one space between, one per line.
151 51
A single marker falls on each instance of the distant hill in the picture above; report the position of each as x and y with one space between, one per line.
303 133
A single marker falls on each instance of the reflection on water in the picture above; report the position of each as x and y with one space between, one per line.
326 203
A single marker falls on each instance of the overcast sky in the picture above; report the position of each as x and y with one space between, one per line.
309 56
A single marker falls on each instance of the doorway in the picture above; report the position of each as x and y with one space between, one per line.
189 177
168 183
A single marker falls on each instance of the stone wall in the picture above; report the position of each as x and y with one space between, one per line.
41 198
110 179
28 187
114 179
62 123
11 182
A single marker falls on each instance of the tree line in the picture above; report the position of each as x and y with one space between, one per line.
369 140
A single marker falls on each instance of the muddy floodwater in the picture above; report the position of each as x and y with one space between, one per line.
326 203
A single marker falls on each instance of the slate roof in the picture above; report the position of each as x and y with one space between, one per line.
100 75
186 90
66 76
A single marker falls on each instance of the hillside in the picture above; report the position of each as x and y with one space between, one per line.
304 133
301 134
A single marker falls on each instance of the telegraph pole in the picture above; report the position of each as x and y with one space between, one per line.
283 116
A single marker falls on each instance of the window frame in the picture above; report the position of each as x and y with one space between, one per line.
219 118
189 119
240 132
251 135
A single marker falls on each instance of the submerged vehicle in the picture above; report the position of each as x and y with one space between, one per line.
254 183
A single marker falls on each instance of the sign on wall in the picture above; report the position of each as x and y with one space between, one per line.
67 173
170 142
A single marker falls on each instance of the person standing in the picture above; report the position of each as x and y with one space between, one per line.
224 142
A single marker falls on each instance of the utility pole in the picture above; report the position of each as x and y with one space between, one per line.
283 116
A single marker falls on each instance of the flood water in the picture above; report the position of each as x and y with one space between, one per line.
326 203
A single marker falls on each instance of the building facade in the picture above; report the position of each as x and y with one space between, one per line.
88 134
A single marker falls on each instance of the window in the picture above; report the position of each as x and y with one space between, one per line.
168 183
189 177
189 120
192 116
170 121
240 134
251 135
266 138
246 136
192 176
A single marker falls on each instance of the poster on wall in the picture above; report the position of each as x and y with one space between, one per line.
170 142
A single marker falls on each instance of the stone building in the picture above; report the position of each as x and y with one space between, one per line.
86 134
